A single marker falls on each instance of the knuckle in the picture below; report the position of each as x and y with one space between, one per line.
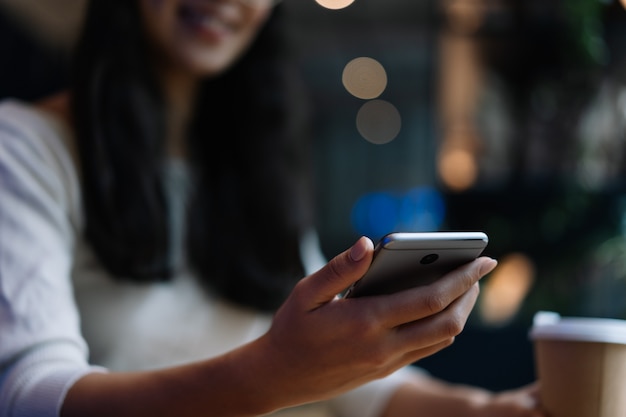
367 326
333 267
454 325
378 359
336 268
436 302
367 334
468 276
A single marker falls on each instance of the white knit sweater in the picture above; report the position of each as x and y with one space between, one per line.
55 298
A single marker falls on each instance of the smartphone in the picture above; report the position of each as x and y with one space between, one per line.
405 260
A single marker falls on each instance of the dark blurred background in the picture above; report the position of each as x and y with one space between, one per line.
513 121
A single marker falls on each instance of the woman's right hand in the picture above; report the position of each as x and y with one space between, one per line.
320 345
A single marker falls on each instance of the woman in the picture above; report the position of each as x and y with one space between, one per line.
159 212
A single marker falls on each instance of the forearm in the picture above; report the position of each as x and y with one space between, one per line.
235 384
426 396
318 346
430 397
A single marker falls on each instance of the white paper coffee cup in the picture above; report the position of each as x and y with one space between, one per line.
581 365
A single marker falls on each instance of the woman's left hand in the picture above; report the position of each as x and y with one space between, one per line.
427 396
522 402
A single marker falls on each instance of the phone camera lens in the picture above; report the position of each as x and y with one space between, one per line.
429 259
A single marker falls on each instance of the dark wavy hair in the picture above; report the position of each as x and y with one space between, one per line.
248 150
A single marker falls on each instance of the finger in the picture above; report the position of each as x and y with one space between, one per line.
414 356
440 327
338 274
420 302
411 357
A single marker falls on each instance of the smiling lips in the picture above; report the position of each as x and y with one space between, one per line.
209 23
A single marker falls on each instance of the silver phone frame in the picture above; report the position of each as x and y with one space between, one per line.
397 263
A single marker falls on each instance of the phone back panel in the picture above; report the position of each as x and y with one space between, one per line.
405 260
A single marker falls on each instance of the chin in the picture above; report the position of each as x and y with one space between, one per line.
208 70
208 64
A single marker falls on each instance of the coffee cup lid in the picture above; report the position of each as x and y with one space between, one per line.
550 325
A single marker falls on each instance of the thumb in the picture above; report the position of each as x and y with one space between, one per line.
338 274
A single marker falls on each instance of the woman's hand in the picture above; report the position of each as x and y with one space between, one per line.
320 345
427 396
522 402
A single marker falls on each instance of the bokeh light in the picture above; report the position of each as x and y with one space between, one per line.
465 16
421 209
458 168
378 121
375 214
334 4
364 78
417 210
506 288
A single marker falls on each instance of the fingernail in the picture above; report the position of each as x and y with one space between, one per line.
488 266
359 249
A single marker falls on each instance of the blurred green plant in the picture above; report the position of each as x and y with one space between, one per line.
584 19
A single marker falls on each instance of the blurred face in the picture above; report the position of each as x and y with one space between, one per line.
202 37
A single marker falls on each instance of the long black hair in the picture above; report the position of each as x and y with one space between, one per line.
248 150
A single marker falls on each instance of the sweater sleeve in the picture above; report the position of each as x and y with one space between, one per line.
42 352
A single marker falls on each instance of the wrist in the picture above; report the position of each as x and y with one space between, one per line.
249 379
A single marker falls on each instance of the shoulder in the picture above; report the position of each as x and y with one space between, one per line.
36 150
45 123
42 128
